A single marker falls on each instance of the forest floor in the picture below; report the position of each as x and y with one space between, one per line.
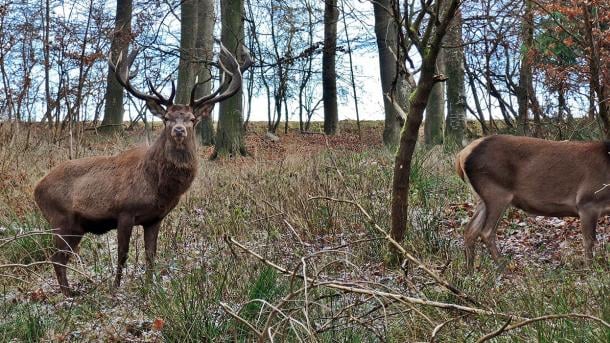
281 204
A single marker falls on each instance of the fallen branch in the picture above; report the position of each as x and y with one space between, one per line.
238 318
402 250
29 265
438 328
506 328
354 289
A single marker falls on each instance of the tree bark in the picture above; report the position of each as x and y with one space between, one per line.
351 68
525 70
329 73
598 85
204 43
188 30
455 125
230 134
113 110
435 109
393 86
410 133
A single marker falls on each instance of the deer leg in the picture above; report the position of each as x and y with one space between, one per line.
151 233
488 234
65 245
472 232
588 224
123 236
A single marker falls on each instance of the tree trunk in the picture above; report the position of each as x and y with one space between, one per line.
188 32
329 74
477 103
351 68
455 126
435 109
47 64
204 43
525 71
393 86
113 110
229 134
410 133
597 83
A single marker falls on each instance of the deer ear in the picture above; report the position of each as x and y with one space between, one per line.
203 111
156 109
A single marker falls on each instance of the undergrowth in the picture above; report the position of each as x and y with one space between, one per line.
205 289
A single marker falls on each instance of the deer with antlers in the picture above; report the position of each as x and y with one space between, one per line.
137 187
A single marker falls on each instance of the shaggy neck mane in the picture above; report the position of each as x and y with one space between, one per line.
170 167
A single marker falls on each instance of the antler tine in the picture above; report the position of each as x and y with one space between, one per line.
171 96
153 90
121 72
203 99
232 78
194 89
248 62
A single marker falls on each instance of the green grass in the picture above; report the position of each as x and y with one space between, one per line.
188 307
25 240
23 322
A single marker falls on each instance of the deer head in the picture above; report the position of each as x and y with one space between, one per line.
181 119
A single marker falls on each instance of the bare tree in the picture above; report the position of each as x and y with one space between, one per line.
395 87
186 65
329 73
455 125
113 111
435 109
204 41
525 71
427 37
230 132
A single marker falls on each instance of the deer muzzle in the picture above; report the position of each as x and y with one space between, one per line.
179 131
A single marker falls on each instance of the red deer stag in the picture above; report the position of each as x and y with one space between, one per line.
137 187
547 178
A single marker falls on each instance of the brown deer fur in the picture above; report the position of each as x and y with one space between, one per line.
547 178
137 187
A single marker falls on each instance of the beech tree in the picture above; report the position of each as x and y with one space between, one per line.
204 42
455 124
329 73
435 109
395 87
230 132
113 110
188 32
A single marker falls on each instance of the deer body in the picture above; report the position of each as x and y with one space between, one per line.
547 178
99 190
137 187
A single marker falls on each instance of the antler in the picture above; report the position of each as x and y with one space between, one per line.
231 81
122 76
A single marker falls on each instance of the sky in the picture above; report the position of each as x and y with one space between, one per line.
360 23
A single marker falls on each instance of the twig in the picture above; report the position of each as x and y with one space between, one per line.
604 186
353 289
438 328
26 266
276 309
240 319
412 258
506 328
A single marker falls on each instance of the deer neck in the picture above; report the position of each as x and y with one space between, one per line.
170 167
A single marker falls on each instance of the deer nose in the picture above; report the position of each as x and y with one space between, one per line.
180 131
